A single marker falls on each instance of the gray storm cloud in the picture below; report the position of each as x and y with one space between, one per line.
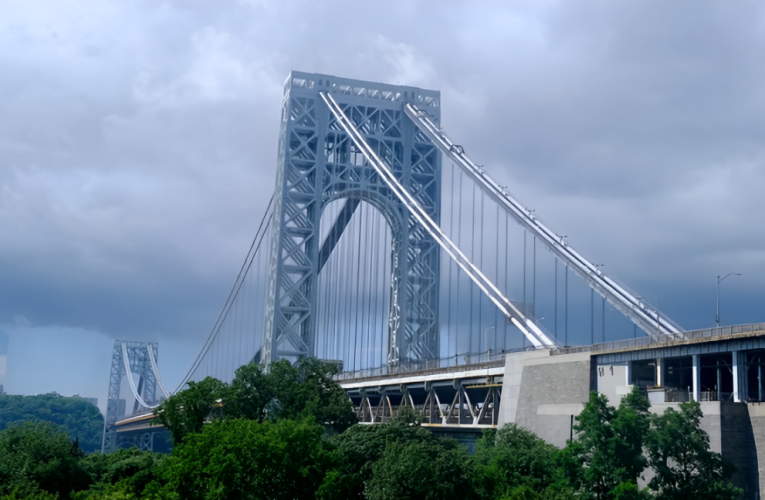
138 145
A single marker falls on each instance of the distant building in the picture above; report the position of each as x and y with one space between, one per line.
3 359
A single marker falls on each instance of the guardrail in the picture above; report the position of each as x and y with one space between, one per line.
457 361
707 333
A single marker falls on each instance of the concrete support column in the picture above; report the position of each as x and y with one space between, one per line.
736 378
628 374
696 373
659 372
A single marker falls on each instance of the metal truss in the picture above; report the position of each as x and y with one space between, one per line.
319 163
143 441
129 358
647 318
463 403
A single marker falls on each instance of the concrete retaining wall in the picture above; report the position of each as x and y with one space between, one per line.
541 393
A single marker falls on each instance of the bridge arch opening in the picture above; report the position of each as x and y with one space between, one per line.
356 263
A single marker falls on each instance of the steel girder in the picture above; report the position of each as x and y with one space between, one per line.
318 164
463 403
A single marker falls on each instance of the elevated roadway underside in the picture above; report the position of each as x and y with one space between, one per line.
456 396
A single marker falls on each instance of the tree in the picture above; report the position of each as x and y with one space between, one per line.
39 456
631 426
284 392
597 440
128 470
429 470
252 393
511 458
80 418
609 444
308 388
360 447
679 454
244 459
185 412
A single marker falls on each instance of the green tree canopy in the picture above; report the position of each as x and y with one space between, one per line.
608 450
512 457
431 469
80 418
252 393
680 456
285 392
360 447
631 427
244 459
308 388
185 412
128 470
38 456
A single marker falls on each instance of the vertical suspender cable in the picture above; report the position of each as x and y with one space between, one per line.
480 296
534 277
529 329
555 329
371 288
458 305
507 270
366 286
450 264
340 325
592 315
525 303
603 319
357 313
565 311
472 257
496 278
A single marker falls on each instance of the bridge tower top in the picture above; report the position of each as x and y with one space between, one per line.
382 95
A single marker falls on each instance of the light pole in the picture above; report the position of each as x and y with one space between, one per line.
720 280
486 337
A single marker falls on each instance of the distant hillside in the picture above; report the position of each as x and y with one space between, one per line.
80 418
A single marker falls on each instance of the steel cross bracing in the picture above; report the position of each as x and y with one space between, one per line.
318 163
524 324
648 319
463 397
129 358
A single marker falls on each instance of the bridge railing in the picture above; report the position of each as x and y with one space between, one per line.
460 360
707 333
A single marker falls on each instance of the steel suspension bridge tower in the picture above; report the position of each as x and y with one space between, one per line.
350 147
318 164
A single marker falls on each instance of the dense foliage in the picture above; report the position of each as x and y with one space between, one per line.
289 434
286 392
80 418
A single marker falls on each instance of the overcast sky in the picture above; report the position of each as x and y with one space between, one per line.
138 143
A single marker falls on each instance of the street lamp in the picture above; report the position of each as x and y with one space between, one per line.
720 280
486 336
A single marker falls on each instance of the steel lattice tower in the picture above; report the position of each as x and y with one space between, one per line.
318 164
139 363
